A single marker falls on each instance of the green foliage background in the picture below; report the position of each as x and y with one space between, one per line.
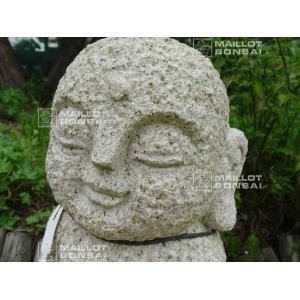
264 93
265 104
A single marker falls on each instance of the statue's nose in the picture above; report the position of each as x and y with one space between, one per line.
111 143
111 179
102 161
107 149
107 155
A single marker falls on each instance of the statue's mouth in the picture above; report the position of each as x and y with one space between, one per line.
104 196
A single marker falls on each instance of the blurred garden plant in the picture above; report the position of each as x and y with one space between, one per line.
25 196
264 93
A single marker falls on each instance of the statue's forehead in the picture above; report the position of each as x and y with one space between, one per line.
121 95
137 81
154 70
139 108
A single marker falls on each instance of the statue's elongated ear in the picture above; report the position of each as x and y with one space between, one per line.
237 147
221 214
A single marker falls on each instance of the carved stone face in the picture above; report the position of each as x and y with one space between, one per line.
137 119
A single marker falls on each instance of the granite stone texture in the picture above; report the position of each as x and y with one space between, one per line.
142 129
75 244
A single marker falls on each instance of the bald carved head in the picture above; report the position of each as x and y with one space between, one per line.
139 121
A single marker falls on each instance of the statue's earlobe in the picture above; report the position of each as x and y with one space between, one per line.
221 214
237 147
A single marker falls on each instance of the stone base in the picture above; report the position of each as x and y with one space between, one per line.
73 243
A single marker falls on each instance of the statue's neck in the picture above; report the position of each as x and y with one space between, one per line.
69 235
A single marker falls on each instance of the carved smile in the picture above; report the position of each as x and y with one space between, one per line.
104 196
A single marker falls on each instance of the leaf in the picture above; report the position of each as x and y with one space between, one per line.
3 205
14 155
222 236
16 175
284 150
245 96
227 81
297 167
252 248
294 96
45 215
237 196
5 166
282 99
4 187
7 219
261 105
235 248
28 171
276 61
277 87
32 219
231 97
26 198
259 90
41 226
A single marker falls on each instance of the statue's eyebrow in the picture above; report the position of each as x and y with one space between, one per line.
187 127
174 160
184 142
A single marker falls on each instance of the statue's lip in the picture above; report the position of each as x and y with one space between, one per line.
104 196
105 190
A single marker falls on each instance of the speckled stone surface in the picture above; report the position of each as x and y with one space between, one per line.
77 245
141 124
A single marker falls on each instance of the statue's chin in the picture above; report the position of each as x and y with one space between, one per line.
116 229
134 217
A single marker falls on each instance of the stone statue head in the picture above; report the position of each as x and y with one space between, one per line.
142 128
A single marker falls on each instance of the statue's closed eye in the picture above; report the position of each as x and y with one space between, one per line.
161 145
160 160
